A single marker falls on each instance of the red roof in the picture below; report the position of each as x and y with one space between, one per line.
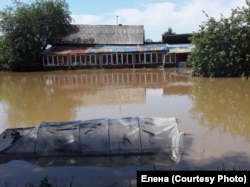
65 50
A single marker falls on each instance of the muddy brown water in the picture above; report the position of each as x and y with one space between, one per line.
213 113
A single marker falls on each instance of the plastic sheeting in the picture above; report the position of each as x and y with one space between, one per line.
96 137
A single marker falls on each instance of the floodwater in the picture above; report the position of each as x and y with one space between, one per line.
213 114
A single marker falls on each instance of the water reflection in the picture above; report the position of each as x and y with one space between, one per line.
213 112
30 98
222 104
53 96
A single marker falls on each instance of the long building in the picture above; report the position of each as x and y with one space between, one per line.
112 46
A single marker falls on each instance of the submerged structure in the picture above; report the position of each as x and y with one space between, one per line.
96 138
112 46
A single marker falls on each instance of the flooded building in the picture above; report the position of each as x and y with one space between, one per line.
110 46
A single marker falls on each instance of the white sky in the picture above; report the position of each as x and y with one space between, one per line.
183 16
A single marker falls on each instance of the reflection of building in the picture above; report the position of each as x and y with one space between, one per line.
126 78
111 46
113 96
175 88
115 87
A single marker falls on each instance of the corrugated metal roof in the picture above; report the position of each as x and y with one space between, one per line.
117 49
107 34
180 48
65 50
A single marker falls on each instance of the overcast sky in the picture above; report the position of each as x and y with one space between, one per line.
183 16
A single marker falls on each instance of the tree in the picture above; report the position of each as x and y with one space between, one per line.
29 28
169 32
148 40
222 47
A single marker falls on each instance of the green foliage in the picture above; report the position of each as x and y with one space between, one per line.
148 40
222 47
169 32
2 46
29 28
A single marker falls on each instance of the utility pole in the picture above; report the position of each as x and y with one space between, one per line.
117 17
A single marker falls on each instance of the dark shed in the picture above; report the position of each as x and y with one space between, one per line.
176 38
